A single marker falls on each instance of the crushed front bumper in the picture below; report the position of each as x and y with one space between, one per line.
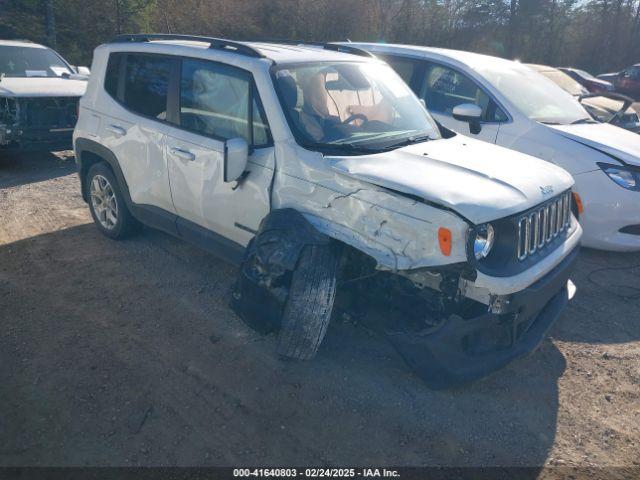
38 123
463 350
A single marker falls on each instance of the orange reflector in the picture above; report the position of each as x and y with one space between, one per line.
444 239
578 200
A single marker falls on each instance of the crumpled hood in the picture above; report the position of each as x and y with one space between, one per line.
42 87
480 181
607 138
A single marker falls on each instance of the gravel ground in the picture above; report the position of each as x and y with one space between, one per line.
126 353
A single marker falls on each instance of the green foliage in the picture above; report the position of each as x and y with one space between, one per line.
594 34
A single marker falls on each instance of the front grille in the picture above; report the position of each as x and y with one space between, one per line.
48 112
543 225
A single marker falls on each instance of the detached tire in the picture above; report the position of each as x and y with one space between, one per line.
107 204
310 303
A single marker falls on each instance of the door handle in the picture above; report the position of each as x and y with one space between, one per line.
183 154
117 130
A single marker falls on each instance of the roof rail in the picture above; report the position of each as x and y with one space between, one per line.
324 45
214 43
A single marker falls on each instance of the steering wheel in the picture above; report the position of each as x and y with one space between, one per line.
354 117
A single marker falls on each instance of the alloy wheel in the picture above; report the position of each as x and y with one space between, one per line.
104 202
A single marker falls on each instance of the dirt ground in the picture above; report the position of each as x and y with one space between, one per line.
127 353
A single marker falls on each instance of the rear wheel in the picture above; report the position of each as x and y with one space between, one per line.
310 302
107 205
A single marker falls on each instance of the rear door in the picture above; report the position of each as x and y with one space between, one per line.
218 102
133 126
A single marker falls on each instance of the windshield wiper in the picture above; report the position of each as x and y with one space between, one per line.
340 147
365 149
409 141
583 120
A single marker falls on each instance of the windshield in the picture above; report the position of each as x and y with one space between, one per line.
584 74
565 82
533 94
31 62
351 106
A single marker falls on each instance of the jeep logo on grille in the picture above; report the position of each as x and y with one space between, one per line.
546 190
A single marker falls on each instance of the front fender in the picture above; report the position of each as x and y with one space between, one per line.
263 281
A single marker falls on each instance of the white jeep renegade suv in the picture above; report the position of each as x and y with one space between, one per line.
321 174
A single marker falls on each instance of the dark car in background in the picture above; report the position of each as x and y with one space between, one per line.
39 94
627 81
588 81
605 107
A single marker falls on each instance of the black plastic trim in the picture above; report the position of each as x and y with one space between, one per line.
212 242
150 215
464 350
630 230
156 217
503 261
214 43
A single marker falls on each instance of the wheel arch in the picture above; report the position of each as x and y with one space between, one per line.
270 258
88 153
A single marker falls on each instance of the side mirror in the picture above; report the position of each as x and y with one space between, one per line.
83 71
424 104
470 113
236 156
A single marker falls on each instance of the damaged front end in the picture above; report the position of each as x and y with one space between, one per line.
470 339
270 258
37 122
441 325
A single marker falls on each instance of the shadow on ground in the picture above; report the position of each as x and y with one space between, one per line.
126 353
605 309
18 168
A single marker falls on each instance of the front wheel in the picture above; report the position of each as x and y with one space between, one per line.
107 204
310 302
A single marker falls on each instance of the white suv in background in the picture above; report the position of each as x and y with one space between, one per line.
312 167
509 104
39 93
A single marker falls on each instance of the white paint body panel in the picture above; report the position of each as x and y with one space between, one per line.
480 181
139 147
608 207
200 195
459 182
42 87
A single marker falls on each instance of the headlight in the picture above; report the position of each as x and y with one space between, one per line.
484 241
623 176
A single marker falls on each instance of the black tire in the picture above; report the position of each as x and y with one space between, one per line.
125 224
310 302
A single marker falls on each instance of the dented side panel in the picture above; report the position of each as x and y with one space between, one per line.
365 216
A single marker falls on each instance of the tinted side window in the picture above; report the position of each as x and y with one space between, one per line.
261 132
113 74
444 88
404 67
214 101
146 84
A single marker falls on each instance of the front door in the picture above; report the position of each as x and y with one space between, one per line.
442 88
219 102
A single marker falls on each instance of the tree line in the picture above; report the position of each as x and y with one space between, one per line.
597 35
